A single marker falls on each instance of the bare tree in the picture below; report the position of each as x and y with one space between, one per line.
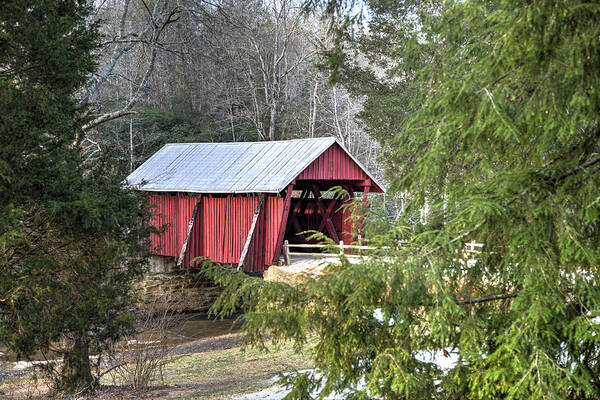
261 44
247 66
141 26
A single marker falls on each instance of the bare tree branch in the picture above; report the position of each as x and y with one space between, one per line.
486 299
159 18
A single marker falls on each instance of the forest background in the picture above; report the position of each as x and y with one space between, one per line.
183 71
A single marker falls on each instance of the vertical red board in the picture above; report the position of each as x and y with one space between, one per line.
262 246
333 164
220 228
225 224
175 211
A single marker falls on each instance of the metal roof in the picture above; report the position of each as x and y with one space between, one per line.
241 167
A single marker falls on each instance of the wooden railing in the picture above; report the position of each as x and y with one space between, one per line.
341 247
473 247
470 247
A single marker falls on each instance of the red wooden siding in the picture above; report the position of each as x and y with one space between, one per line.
335 164
175 211
220 229
262 246
225 225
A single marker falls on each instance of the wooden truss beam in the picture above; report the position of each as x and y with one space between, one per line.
283 224
328 212
189 233
324 215
252 228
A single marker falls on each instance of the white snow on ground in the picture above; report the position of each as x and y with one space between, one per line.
269 394
436 356
445 359
20 365
278 394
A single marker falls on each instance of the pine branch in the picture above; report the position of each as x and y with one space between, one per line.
577 169
507 74
571 172
486 299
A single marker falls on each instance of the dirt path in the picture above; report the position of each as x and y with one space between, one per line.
209 344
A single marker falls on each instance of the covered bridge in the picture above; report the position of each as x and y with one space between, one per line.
237 202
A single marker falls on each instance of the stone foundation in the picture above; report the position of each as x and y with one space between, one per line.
179 290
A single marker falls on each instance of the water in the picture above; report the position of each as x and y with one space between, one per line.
181 329
198 326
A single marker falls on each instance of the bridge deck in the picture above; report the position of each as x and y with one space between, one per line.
301 265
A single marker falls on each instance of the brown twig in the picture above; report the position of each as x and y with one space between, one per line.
486 299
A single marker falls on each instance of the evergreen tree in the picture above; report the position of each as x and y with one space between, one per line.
489 115
71 240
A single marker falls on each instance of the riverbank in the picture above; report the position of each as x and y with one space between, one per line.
206 369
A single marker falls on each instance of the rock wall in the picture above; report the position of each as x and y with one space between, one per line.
179 290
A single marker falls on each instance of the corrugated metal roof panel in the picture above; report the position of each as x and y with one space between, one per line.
253 167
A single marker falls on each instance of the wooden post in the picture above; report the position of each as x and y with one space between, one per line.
341 247
252 227
189 233
366 192
323 213
286 252
283 224
327 216
299 209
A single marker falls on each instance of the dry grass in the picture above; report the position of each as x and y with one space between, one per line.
140 359
212 375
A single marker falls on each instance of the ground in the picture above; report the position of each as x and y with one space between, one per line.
215 368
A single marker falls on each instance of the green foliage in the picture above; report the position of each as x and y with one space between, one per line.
71 240
488 113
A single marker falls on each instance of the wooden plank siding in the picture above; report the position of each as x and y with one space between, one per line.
334 164
220 229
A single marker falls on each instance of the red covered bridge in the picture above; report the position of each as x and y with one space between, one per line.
237 202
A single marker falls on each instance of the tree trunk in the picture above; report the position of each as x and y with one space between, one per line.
273 120
313 112
77 373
